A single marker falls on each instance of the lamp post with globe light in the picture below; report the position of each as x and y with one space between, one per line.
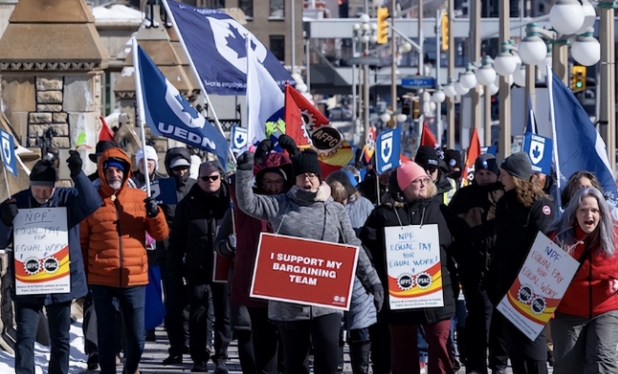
365 33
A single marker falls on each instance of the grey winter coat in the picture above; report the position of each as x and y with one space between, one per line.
308 215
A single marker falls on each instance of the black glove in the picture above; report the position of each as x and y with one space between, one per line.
262 150
8 211
152 207
75 163
378 295
286 142
245 161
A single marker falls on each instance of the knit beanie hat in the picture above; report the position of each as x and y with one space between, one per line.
151 154
453 158
486 161
427 157
306 162
518 165
114 163
44 173
408 172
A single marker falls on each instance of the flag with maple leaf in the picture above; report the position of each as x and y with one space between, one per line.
300 115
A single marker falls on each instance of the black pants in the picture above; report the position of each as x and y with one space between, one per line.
198 307
380 337
527 357
297 338
266 340
498 358
175 299
478 322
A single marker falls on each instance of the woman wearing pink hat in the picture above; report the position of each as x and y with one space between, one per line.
409 202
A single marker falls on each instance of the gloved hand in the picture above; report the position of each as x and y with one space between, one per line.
262 150
286 142
231 241
74 162
152 207
8 211
378 295
245 161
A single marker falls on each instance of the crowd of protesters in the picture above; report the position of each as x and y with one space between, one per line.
485 231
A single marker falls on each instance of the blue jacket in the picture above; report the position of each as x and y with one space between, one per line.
80 201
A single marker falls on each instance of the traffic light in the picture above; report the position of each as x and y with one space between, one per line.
578 78
382 26
444 31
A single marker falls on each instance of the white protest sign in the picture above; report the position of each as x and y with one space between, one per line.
41 247
413 267
539 287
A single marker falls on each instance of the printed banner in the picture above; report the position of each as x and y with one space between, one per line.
539 287
42 263
164 191
304 271
540 150
413 266
7 146
388 148
221 268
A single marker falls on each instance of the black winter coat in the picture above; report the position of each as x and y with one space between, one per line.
372 235
516 229
193 232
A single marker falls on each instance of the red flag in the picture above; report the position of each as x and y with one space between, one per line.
105 133
427 138
299 116
474 151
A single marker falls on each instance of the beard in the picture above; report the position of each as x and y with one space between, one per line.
116 185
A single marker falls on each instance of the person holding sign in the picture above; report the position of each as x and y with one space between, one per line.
585 326
113 240
423 284
79 202
521 213
306 211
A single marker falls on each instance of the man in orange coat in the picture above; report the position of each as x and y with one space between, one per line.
113 240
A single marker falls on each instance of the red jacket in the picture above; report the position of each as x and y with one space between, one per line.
588 294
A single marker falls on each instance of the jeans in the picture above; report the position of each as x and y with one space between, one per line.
198 321
585 345
132 301
404 348
266 340
175 301
297 338
27 321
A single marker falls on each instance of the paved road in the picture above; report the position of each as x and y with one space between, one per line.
155 352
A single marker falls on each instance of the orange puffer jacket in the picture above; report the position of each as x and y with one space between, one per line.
113 237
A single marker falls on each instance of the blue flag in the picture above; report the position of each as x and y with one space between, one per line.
388 148
579 145
216 44
169 114
7 146
531 124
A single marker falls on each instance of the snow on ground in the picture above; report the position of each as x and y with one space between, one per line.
41 354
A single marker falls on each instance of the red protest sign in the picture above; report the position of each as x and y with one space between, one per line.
220 268
304 271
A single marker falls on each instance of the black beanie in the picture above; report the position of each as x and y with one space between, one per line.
453 158
427 157
518 165
44 173
306 162
486 161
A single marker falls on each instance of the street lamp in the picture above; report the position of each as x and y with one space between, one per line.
586 50
532 48
438 97
449 89
519 76
365 33
486 75
590 16
468 79
567 16
505 63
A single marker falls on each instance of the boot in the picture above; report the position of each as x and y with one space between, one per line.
359 357
221 366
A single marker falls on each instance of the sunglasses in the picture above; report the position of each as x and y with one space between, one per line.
210 177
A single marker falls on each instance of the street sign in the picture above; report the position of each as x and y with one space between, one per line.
7 146
364 61
418 82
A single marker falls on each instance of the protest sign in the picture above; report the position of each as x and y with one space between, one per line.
304 271
539 287
220 268
413 266
163 191
41 240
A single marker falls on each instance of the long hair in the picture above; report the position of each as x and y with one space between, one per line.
565 236
571 187
338 191
528 191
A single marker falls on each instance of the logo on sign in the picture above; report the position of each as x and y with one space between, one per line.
387 148
423 280
231 44
182 109
6 148
239 137
536 151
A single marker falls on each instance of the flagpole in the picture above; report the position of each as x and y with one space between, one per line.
6 180
552 117
196 74
141 114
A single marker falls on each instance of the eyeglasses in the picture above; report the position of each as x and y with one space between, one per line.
311 176
424 181
270 182
210 177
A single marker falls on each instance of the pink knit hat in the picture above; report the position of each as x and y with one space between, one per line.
408 172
